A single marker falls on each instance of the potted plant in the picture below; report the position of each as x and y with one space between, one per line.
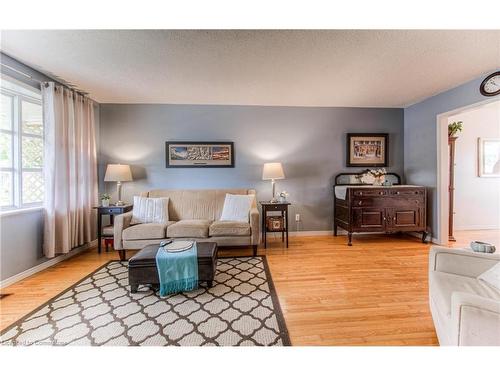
454 128
105 198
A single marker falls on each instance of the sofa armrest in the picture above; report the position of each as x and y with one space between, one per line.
475 320
121 222
463 262
254 225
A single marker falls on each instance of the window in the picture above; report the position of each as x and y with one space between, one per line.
21 146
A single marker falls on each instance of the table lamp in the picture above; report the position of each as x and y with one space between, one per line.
118 173
273 171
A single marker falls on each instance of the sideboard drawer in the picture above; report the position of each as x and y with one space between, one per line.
369 193
408 192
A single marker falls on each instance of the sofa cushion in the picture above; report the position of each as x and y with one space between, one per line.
229 228
145 231
443 285
192 228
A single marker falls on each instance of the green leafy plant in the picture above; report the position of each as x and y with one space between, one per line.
454 128
106 197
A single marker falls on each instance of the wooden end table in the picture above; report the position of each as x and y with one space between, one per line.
110 210
275 207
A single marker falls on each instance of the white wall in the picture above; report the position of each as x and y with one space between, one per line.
477 199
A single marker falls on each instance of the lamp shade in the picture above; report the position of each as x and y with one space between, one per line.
118 172
273 171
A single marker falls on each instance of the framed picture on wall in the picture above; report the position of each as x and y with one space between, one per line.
489 157
199 154
367 149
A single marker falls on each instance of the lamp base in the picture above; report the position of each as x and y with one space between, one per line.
119 203
274 200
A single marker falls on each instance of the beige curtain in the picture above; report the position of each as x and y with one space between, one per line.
70 169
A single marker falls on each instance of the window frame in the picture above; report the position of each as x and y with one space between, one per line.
17 133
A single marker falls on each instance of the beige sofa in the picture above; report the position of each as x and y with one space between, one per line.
193 214
465 310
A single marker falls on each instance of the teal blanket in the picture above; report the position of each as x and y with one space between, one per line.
178 272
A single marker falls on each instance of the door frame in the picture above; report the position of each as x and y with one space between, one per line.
443 160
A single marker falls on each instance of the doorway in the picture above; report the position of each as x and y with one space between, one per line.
476 203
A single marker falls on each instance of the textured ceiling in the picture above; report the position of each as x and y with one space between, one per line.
361 68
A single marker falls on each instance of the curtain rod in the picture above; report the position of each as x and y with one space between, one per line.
83 93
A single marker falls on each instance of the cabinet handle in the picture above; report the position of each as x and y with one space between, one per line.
397 192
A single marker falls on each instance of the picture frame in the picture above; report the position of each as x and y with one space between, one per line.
488 157
367 150
198 154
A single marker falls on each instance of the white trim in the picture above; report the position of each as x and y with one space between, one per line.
443 161
49 263
18 211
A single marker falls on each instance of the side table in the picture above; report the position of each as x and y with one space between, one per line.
110 210
274 207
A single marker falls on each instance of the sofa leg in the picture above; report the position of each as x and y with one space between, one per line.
122 254
254 247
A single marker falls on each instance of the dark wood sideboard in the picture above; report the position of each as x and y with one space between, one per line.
383 209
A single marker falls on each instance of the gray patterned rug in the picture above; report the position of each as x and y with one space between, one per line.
240 309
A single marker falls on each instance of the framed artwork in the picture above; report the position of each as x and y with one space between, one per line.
367 149
199 154
489 157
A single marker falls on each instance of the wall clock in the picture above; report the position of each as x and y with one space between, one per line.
491 85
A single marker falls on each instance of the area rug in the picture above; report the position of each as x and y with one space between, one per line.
240 309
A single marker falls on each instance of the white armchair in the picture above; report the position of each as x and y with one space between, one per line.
465 310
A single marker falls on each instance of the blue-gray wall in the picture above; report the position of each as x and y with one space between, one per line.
310 142
420 140
21 232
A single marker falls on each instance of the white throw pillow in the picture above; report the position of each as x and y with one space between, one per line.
237 207
492 276
150 210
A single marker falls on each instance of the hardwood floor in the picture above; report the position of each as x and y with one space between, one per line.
465 237
373 293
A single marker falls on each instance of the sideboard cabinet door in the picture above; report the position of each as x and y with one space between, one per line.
371 218
404 218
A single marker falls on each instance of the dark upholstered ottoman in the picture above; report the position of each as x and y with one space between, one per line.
142 266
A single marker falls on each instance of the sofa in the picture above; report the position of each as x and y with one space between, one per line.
465 310
194 215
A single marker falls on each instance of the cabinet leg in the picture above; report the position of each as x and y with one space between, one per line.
254 247
349 237
134 288
122 254
424 236
335 230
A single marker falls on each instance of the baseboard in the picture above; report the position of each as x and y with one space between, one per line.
33 270
419 235
478 227
304 233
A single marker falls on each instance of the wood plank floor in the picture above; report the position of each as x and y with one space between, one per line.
373 293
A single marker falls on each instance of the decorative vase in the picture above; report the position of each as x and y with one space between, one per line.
105 202
282 199
379 181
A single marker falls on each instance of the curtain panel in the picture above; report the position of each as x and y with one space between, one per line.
70 170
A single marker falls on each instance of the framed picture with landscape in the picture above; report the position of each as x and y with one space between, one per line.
367 149
199 154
